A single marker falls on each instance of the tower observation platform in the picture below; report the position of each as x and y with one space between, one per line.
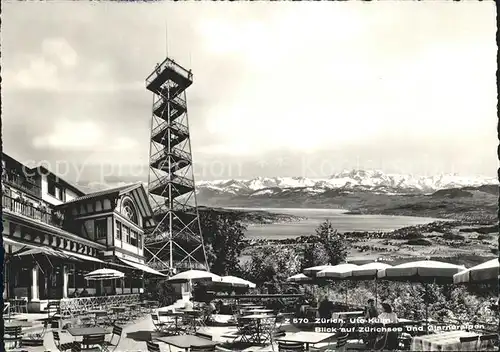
175 243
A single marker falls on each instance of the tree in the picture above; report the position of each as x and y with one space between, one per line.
224 240
271 266
314 254
332 242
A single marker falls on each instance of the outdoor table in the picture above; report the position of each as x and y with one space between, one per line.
120 313
17 323
446 341
151 304
132 308
257 311
96 330
98 313
307 337
186 341
348 314
258 318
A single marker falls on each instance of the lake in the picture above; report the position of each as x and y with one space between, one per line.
342 222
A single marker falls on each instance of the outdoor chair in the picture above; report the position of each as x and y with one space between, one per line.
112 316
392 336
117 331
247 330
169 322
152 347
191 322
488 342
101 318
290 346
6 310
159 326
202 349
339 345
76 347
152 306
23 306
54 313
268 327
57 338
13 335
20 305
90 342
245 333
86 320
467 339
65 346
275 335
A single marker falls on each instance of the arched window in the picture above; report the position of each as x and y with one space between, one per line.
128 210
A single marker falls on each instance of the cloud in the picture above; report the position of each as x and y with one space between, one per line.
44 69
270 79
353 78
82 135
57 67
60 51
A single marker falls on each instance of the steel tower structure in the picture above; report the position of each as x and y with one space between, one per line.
175 242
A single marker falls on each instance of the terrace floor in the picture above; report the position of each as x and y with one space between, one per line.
133 339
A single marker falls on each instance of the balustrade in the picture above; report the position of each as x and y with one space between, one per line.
25 184
72 307
23 207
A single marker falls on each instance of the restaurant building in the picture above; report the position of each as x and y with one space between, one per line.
54 233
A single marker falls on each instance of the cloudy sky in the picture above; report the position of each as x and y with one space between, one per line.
280 89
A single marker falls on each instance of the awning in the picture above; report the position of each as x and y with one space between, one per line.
45 250
142 267
83 256
13 242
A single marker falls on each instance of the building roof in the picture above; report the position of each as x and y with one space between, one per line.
44 171
136 190
68 184
107 192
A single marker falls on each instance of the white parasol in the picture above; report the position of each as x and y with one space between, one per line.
104 274
423 271
369 272
194 275
299 278
312 271
339 272
484 272
237 282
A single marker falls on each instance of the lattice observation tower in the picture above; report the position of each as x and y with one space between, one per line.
175 243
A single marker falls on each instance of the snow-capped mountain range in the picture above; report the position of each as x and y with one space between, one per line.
348 180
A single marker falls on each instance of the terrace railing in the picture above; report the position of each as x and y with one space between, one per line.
22 207
23 183
72 307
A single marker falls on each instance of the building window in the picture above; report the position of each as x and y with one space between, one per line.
139 241
126 233
101 228
118 230
128 210
133 238
55 190
51 187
